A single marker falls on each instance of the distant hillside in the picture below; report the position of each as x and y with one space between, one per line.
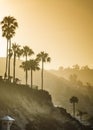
84 74
60 88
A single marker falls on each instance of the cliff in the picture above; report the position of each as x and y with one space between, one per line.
33 109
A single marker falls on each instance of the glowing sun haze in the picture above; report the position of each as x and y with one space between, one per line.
63 28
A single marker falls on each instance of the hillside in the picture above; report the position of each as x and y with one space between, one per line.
33 109
84 74
60 88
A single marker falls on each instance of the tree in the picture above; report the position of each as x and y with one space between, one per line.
74 100
76 67
16 53
73 78
33 66
85 68
43 57
25 66
9 25
27 52
81 114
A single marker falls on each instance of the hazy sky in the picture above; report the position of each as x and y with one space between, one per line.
63 28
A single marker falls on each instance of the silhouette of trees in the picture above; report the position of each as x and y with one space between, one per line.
9 25
74 100
73 78
76 67
43 57
27 52
85 67
33 66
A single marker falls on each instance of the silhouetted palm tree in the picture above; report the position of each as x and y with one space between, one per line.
9 24
43 57
16 51
81 114
25 66
74 100
33 65
27 52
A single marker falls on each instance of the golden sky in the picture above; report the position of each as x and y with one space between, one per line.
63 28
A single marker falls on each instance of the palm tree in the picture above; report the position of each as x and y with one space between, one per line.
43 57
25 66
33 65
81 114
74 100
16 52
9 24
27 52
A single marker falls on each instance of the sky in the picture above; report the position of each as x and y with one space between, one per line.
62 28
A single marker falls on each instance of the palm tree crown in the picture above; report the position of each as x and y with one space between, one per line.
73 99
27 51
9 24
34 64
25 65
42 56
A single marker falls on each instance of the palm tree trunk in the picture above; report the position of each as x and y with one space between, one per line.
42 75
9 68
9 60
26 77
6 61
31 79
26 72
14 67
74 109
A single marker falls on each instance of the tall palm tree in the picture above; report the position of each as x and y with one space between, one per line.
9 25
27 52
25 66
16 52
43 57
74 100
33 66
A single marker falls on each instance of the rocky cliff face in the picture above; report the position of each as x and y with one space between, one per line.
33 109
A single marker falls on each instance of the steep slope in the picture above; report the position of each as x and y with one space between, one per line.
60 89
33 109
